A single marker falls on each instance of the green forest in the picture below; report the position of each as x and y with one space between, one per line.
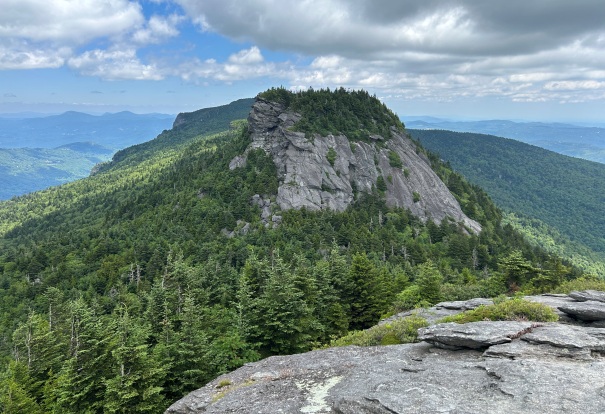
124 291
555 200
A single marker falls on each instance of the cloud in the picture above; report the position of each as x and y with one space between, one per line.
17 55
67 22
114 65
10 95
245 64
157 29
362 28
96 92
427 49
38 34
247 56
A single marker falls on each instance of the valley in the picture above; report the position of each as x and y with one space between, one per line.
44 151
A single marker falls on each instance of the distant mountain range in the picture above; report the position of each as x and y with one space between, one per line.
39 152
113 131
567 139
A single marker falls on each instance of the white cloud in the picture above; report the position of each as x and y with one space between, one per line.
158 29
114 65
575 85
247 56
44 33
67 22
21 56
245 64
429 49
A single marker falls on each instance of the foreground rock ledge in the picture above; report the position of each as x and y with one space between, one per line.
545 373
480 367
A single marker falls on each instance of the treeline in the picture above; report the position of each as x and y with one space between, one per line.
124 291
355 114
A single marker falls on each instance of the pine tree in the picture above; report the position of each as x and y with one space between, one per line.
429 281
366 303
133 384
80 385
284 319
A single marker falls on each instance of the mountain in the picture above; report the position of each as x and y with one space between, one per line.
329 172
567 139
36 153
540 186
186 256
24 170
113 131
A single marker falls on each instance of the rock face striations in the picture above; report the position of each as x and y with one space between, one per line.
327 171
479 367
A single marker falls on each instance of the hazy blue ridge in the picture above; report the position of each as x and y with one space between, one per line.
585 142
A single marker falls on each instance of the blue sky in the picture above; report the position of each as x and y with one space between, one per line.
466 59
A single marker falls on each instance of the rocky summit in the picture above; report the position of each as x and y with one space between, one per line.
324 172
479 367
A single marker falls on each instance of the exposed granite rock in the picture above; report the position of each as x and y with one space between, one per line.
474 335
586 311
585 295
554 301
567 336
527 367
266 216
441 310
308 179
464 305
415 378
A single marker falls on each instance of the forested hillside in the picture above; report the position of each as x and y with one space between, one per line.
24 170
124 291
560 200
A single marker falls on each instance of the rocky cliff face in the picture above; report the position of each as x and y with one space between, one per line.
326 171
480 367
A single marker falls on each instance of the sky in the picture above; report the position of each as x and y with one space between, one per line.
541 60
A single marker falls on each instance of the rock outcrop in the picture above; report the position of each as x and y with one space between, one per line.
482 367
327 171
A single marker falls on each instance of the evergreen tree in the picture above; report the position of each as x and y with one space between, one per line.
133 384
285 320
429 281
366 303
80 385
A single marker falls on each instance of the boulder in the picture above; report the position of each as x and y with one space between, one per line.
585 295
463 305
474 335
586 311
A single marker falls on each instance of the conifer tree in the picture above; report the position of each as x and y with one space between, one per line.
133 383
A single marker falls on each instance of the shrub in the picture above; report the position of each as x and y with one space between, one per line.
582 283
410 298
395 160
331 155
401 331
381 184
454 291
516 309
416 197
